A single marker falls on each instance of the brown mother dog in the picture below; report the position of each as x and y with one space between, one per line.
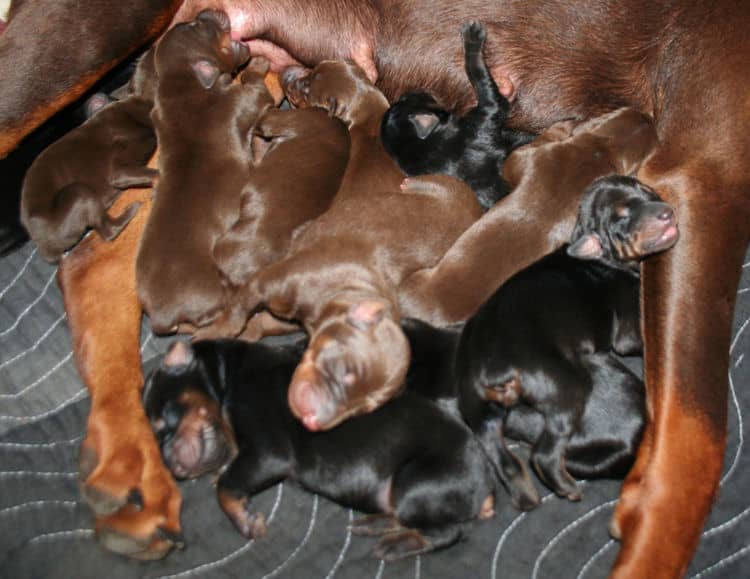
683 62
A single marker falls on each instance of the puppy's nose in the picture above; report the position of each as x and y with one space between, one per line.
666 214
304 403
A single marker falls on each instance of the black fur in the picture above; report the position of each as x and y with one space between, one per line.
440 478
424 138
543 346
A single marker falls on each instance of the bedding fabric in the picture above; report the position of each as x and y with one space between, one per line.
46 531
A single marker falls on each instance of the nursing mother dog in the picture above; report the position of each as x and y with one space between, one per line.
684 62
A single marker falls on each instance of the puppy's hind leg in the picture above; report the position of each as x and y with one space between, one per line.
432 497
128 177
110 227
562 407
490 103
412 542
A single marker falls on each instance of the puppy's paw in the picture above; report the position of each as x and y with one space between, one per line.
557 478
258 68
474 35
407 543
375 525
236 506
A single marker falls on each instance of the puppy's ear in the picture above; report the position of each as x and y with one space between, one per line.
179 354
206 71
365 314
424 123
587 246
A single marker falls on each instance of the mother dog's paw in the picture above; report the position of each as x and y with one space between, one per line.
128 488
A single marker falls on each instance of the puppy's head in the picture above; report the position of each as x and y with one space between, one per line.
356 361
203 47
621 221
340 87
413 118
186 416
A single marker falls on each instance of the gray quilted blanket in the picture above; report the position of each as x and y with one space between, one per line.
46 531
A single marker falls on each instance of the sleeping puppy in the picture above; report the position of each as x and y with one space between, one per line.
73 182
299 157
203 123
425 138
222 406
603 444
545 340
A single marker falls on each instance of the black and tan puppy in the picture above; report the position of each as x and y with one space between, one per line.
545 339
340 277
425 138
73 182
203 123
423 474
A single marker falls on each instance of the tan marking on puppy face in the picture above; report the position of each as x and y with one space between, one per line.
504 393
203 441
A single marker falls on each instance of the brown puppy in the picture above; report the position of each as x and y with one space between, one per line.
299 158
342 270
73 182
548 177
203 124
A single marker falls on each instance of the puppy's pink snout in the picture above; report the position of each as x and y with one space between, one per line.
304 404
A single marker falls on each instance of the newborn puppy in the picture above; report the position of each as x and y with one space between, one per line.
222 405
340 276
545 339
425 138
73 182
299 158
203 123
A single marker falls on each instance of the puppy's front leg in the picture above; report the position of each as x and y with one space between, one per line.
244 478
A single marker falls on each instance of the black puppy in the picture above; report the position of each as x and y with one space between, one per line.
543 345
411 462
424 138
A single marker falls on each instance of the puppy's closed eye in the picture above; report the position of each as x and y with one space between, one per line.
622 212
